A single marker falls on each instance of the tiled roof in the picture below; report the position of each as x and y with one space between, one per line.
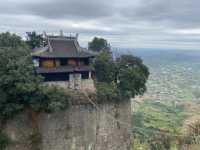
63 69
63 48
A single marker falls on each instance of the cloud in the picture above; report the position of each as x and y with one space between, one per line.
125 23
175 13
72 9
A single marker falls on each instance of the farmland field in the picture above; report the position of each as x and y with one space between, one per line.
172 98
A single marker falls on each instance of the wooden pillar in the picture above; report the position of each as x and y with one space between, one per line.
90 74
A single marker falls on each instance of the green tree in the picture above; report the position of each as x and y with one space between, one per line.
21 88
11 40
18 82
132 75
49 99
106 92
99 44
160 142
127 73
35 40
105 67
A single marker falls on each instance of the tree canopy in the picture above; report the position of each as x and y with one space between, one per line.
35 40
105 67
132 75
127 75
11 40
20 86
18 82
99 44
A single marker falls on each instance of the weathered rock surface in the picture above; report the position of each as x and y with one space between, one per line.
80 127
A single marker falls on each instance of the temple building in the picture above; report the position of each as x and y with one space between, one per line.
64 63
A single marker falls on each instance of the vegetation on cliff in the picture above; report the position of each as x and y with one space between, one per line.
35 40
20 87
120 78
11 40
99 44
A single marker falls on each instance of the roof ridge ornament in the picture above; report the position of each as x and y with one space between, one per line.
49 45
61 33
77 45
45 34
77 36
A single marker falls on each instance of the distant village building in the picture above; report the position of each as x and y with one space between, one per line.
64 63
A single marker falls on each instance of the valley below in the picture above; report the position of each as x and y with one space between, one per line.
168 115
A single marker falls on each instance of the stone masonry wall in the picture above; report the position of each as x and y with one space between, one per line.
80 127
84 85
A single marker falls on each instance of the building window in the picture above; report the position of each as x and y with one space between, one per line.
85 75
48 63
57 63
84 62
63 62
72 62
55 77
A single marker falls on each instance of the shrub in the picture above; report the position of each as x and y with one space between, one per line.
106 92
160 142
50 99
191 131
18 82
21 88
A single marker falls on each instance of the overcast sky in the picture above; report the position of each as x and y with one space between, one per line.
125 23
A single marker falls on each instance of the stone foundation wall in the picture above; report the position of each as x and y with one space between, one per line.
88 85
63 84
80 127
84 85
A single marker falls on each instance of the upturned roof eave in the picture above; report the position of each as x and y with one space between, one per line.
57 57
51 51
68 69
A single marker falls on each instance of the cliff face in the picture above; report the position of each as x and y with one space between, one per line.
80 127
